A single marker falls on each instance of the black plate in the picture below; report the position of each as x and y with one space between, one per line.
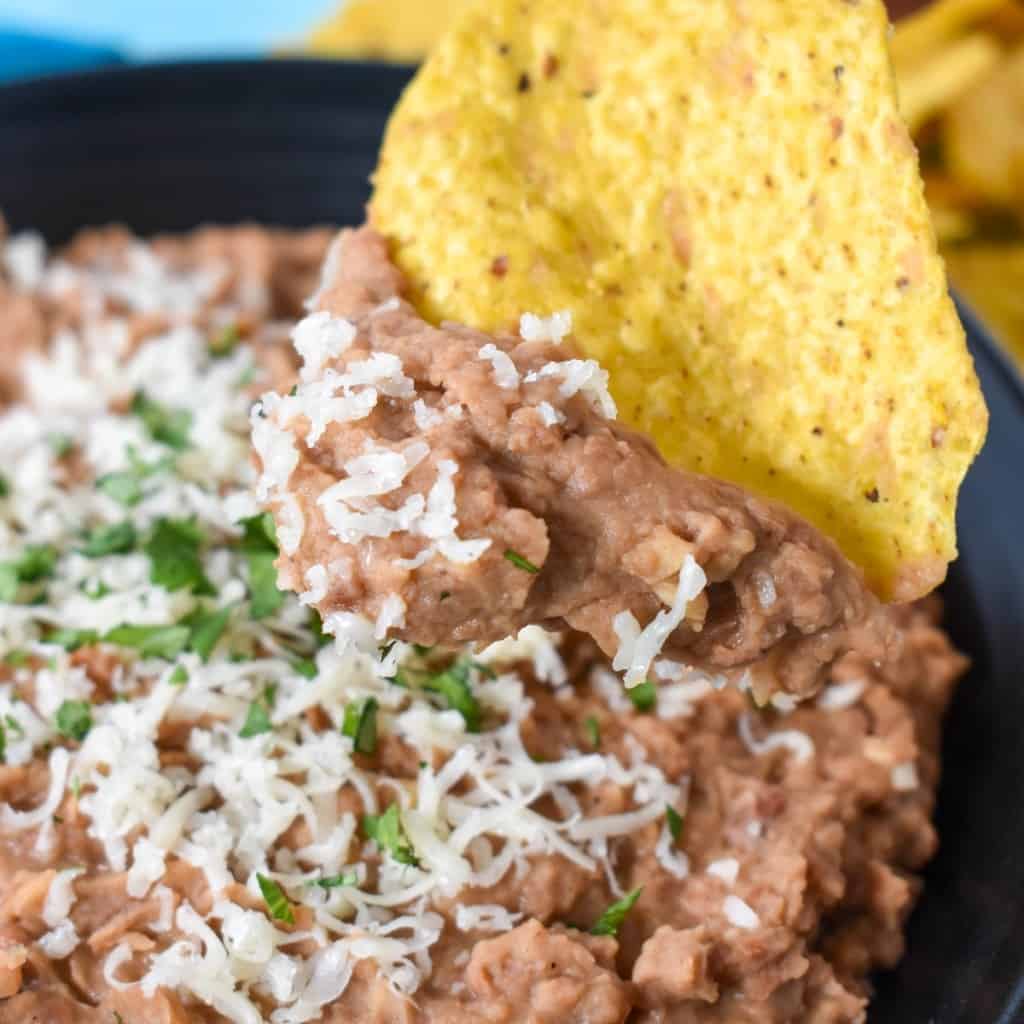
293 143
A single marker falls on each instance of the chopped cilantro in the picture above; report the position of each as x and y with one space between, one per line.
71 639
445 594
35 562
305 667
259 543
5 486
3 745
360 725
593 730
337 881
277 903
453 684
109 540
60 444
223 343
14 725
8 583
74 719
94 589
316 626
168 426
151 641
179 677
16 659
675 823
387 832
124 486
520 562
644 696
207 627
611 920
173 549
257 721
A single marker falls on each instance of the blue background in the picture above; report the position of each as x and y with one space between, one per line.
44 35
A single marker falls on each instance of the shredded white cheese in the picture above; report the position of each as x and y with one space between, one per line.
505 373
739 913
639 647
551 328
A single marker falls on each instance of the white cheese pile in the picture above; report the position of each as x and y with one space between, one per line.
141 551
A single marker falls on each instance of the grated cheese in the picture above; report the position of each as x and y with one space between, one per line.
739 913
505 373
799 744
580 376
638 648
841 695
552 328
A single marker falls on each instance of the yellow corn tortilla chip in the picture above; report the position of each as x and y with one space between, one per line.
395 30
725 198
984 134
991 277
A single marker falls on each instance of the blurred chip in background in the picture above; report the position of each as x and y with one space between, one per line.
960 65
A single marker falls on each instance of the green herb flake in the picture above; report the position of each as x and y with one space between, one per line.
520 562
275 899
644 696
76 787
71 639
257 720
316 627
445 594
151 641
259 544
109 540
14 725
173 549
360 725
124 486
3 745
346 880
60 445
94 589
9 583
675 823
16 659
593 730
74 719
35 563
5 487
305 667
168 426
207 627
224 342
179 677
453 685
387 832
611 920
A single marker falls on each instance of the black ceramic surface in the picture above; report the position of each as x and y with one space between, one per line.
293 143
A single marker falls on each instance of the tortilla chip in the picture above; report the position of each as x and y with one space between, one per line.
725 198
395 30
984 135
991 277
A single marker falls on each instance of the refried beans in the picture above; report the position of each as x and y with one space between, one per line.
210 812
453 487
